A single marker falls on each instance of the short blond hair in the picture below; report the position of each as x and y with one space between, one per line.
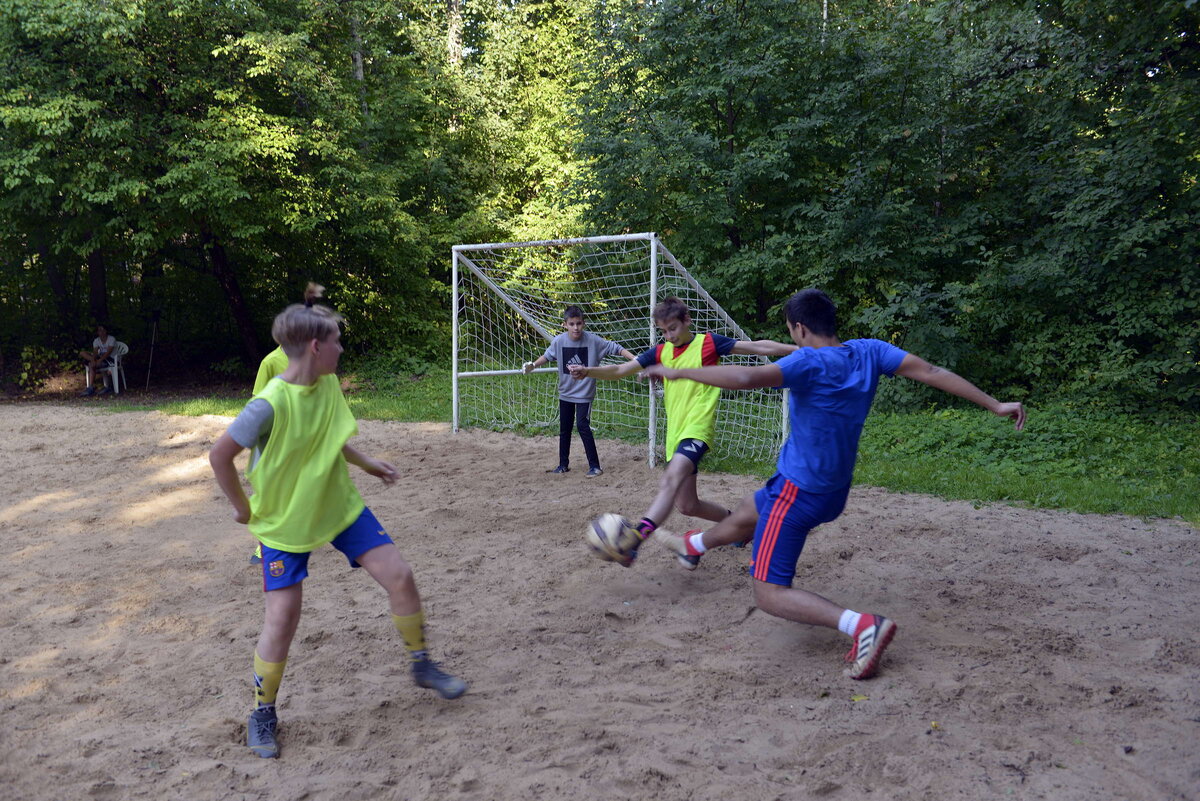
297 325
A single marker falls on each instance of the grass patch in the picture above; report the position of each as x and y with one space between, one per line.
1075 459
1081 460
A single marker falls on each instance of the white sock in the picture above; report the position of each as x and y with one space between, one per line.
848 622
697 542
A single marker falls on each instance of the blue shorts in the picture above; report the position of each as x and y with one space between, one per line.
283 569
786 514
693 450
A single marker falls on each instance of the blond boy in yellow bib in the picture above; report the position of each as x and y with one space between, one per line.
300 427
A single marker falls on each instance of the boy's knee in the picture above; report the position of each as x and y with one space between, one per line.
765 595
402 580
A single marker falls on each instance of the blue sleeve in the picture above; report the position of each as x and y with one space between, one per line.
722 343
649 357
795 368
888 356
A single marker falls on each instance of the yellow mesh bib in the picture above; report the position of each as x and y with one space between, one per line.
303 495
691 407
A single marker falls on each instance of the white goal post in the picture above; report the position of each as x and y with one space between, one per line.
508 302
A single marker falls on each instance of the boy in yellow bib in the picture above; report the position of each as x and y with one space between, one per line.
300 426
691 408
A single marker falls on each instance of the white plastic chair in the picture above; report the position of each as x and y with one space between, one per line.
117 370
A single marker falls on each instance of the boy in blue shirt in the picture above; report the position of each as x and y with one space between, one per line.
832 386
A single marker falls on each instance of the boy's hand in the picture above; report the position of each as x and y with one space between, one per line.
657 371
578 370
527 368
1014 410
385 471
241 515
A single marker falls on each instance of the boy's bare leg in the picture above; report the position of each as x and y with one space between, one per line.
280 622
871 633
737 527
678 469
732 529
797 605
394 574
689 502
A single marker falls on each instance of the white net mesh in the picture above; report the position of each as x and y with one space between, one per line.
509 302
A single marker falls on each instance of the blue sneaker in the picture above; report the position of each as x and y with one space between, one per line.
260 732
427 674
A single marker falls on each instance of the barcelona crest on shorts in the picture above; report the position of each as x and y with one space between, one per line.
276 569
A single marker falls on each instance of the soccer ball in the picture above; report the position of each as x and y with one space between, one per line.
613 538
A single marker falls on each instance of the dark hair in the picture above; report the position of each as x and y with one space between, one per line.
813 309
573 311
671 308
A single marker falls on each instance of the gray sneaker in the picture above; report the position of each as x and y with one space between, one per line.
427 674
260 732
595 471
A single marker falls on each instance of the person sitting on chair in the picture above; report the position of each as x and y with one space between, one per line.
99 358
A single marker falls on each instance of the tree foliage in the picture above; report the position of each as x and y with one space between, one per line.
1007 188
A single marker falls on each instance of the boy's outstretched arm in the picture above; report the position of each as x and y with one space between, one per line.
730 376
918 369
382 470
221 457
763 347
605 371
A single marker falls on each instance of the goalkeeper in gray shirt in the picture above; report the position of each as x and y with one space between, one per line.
576 346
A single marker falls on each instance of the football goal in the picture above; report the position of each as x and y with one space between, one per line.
508 302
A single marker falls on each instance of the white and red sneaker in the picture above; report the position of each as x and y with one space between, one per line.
682 546
870 639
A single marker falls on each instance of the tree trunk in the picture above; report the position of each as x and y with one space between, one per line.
65 325
218 259
357 56
454 28
97 287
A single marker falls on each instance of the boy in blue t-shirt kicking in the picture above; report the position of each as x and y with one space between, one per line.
832 386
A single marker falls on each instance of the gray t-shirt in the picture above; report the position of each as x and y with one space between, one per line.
252 427
588 351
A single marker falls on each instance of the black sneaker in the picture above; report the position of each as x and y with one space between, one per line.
427 674
560 469
260 732
88 391
107 389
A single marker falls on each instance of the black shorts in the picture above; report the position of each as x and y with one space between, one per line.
693 450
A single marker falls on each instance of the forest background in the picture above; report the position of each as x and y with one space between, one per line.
1006 188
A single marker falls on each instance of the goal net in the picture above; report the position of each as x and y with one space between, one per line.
508 302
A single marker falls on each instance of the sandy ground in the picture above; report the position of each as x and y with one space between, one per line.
1040 654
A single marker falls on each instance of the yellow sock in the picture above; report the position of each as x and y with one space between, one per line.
267 676
412 629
